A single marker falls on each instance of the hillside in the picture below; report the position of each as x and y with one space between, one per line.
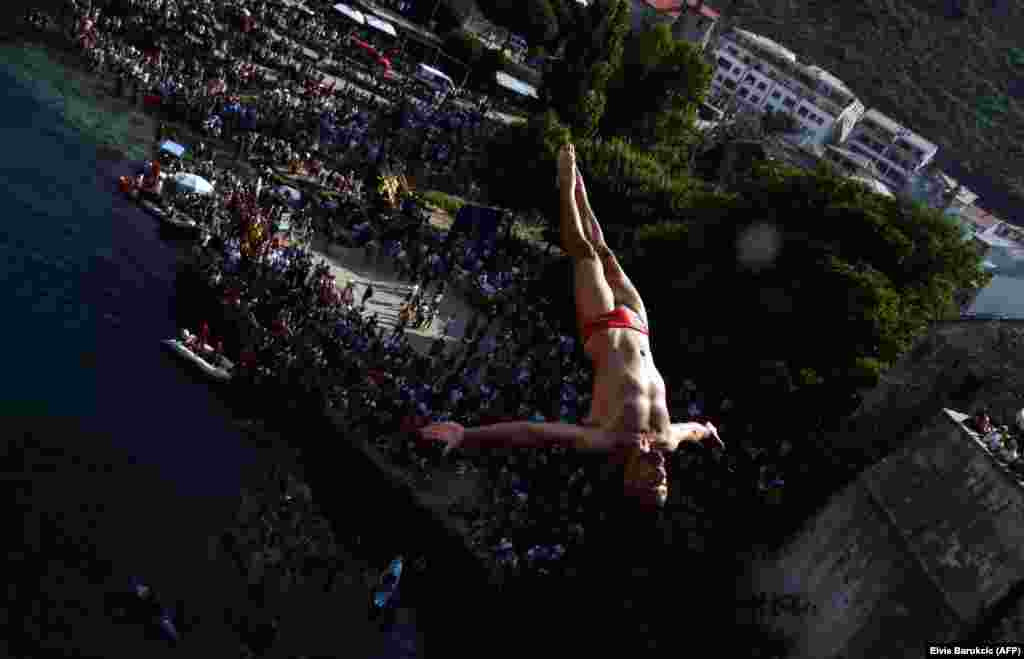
916 62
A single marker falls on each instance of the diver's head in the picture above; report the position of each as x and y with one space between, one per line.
645 478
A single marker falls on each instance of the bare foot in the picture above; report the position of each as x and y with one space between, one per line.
567 167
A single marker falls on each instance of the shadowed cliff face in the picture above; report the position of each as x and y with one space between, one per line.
957 364
934 511
923 547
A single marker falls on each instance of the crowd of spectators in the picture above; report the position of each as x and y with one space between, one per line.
315 350
223 88
1002 440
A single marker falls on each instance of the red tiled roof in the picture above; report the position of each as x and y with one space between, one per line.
673 7
664 5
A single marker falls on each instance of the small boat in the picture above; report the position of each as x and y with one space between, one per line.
170 218
387 586
221 372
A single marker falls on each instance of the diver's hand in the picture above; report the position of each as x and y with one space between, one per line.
711 439
451 434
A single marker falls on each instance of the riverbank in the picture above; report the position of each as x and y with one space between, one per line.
349 474
145 483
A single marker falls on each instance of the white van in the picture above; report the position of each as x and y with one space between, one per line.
434 79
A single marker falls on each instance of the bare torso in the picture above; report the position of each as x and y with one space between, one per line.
629 392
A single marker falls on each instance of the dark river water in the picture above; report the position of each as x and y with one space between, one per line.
118 459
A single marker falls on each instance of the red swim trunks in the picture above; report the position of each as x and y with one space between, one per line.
621 317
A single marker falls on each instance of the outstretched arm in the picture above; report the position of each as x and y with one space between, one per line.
695 433
522 434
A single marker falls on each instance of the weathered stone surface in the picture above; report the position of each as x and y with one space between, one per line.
921 548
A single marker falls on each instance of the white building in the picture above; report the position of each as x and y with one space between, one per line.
898 152
761 75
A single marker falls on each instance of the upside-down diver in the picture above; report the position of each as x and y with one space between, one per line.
628 416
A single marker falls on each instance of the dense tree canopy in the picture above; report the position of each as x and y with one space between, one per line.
654 93
576 88
835 279
778 285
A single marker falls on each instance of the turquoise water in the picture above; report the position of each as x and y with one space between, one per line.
55 222
135 461
86 287
88 293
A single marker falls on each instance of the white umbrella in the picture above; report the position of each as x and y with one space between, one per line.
383 26
354 14
193 183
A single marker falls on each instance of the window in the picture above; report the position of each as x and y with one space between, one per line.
729 83
802 112
762 86
776 94
736 68
724 63
750 78
789 102
742 93
733 51
755 99
819 120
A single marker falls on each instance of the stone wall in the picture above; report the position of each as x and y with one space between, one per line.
924 547
961 364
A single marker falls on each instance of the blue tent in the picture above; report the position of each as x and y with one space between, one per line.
172 148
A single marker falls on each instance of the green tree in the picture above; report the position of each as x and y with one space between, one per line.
654 94
518 163
833 260
576 86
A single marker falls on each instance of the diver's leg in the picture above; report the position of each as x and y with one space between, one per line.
623 290
593 294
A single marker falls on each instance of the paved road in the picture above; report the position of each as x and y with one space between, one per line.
350 264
